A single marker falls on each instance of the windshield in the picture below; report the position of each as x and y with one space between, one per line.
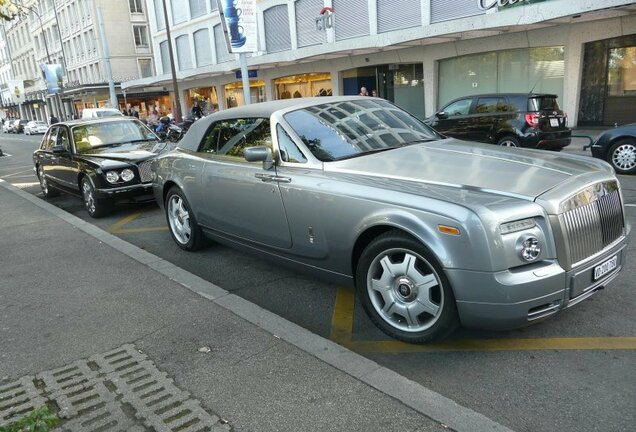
342 130
89 136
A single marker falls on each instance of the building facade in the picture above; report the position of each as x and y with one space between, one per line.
419 54
68 33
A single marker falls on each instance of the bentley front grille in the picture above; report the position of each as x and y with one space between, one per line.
144 171
592 227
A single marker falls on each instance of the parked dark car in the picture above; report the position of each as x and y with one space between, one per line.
618 147
510 119
104 161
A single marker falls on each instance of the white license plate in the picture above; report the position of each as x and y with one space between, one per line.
554 122
603 269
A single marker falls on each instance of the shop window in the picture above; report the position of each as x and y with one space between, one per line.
621 73
234 93
183 52
305 85
202 49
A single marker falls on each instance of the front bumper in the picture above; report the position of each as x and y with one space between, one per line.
137 193
512 299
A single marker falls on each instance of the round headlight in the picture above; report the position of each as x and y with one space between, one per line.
112 177
127 175
530 249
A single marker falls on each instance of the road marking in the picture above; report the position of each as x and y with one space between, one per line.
118 227
342 333
25 185
19 172
630 205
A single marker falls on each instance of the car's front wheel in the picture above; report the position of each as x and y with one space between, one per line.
622 156
184 228
95 207
404 290
509 141
44 184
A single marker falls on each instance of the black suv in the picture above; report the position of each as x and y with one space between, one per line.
510 119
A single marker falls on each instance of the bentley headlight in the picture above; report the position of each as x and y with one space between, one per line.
529 248
127 175
112 177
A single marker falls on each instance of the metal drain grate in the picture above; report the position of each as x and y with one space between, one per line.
117 391
18 398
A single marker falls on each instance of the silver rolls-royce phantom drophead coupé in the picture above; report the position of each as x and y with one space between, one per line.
432 232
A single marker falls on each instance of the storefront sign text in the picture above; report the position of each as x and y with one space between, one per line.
489 4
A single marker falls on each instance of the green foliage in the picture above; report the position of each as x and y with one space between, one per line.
39 420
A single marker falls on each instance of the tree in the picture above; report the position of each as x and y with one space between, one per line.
8 10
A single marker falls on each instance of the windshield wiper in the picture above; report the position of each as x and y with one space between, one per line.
142 140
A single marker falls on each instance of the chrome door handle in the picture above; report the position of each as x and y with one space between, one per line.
272 178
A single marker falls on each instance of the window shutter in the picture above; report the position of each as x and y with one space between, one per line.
306 13
444 10
179 11
197 8
183 52
389 19
277 36
222 54
202 47
351 18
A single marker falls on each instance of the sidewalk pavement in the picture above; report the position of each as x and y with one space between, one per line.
76 302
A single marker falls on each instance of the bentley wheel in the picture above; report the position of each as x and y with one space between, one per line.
96 208
508 141
183 226
44 184
404 290
622 156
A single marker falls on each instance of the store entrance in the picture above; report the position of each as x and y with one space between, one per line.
401 84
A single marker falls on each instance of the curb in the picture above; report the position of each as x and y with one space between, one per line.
419 398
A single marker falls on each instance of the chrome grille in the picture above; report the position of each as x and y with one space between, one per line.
592 227
144 171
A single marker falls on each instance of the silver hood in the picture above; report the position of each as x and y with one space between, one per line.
512 172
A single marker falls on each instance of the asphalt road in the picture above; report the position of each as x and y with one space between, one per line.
574 372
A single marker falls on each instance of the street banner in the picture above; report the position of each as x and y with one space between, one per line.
16 90
239 25
53 77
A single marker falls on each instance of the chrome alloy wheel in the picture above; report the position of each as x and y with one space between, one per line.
89 198
624 157
405 290
507 143
43 184
179 219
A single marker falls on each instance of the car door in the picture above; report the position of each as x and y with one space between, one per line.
47 159
67 166
485 118
453 119
237 197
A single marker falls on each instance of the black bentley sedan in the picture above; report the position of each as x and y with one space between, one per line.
104 161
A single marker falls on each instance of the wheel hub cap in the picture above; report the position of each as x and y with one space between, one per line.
406 289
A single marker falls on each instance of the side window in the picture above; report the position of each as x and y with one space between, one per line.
51 138
289 151
231 137
62 138
45 140
458 108
486 105
504 105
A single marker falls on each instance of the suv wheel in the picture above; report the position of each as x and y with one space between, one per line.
508 141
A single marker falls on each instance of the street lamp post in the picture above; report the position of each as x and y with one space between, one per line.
175 86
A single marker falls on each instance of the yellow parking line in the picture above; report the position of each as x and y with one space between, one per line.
342 330
117 226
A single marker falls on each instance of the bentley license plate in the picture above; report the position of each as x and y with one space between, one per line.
554 122
603 269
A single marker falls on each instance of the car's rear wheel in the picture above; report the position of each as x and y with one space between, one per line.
95 207
184 228
509 141
622 156
44 184
404 290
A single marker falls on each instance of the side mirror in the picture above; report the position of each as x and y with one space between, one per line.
58 149
441 115
260 154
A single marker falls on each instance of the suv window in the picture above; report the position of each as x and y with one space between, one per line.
458 108
231 137
543 103
487 105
